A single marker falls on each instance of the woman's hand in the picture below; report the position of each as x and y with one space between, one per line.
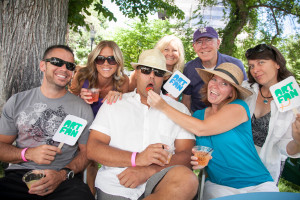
86 95
155 101
112 97
194 161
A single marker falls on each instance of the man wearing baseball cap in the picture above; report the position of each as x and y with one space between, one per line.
130 139
206 43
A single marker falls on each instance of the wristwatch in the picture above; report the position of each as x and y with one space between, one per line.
70 173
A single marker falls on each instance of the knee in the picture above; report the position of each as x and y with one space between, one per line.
185 179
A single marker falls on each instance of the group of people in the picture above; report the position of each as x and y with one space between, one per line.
130 128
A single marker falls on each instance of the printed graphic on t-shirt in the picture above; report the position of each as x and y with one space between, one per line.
38 124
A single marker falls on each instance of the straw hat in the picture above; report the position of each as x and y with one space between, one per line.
152 58
231 73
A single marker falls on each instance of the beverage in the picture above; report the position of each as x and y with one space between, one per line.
95 94
203 158
32 176
203 154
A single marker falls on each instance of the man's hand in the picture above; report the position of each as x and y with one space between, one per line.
134 176
43 154
47 184
153 154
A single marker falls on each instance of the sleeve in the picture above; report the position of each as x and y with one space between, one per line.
241 66
187 72
89 116
101 122
7 121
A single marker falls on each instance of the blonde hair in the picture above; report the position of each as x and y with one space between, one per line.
90 72
165 41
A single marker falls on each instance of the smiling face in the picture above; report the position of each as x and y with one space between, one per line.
218 90
171 53
57 77
106 70
207 49
264 72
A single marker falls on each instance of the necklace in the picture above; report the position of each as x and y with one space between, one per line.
265 98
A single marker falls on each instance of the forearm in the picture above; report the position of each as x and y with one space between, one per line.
10 153
107 155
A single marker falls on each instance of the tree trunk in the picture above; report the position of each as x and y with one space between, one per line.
27 28
238 19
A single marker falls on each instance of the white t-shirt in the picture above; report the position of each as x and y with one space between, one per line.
132 126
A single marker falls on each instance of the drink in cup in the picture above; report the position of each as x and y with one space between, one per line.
170 153
95 94
203 154
32 176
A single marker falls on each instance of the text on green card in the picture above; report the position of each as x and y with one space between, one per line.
70 128
286 92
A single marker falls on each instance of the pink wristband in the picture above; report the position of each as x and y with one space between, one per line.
23 155
133 155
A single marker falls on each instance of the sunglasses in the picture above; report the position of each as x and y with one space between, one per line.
101 59
258 49
59 63
148 70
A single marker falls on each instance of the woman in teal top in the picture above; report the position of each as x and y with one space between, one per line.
225 126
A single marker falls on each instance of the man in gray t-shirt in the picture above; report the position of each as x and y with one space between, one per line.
31 118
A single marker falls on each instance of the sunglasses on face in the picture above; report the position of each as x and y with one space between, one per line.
148 70
100 60
258 49
59 63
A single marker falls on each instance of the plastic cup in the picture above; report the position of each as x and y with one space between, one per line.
203 154
95 94
32 176
170 154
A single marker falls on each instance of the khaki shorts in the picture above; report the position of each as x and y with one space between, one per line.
150 186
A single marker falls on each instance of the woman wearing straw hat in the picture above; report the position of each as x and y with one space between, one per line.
225 126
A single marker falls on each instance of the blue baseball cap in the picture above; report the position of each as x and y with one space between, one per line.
209 32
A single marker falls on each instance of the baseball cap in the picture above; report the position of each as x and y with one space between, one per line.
209 32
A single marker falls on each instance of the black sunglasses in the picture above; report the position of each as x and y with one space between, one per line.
101 59
59 63
148 70
257 49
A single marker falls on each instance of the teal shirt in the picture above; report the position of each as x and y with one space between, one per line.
235 161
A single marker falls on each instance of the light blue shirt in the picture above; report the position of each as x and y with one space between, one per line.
235 161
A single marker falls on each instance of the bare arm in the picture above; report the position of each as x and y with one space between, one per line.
186 100
293 146
236 113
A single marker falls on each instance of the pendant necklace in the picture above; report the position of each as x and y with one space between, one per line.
265 98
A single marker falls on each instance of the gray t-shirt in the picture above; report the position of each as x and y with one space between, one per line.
35 118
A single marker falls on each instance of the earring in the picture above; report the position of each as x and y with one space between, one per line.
116 77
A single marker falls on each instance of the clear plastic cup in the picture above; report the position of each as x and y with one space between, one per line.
170 151
95 94
32 176
203 154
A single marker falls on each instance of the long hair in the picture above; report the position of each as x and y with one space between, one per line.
165 41
90 72
204 99
269 53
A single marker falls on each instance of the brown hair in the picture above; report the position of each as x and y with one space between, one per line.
203 94
90 72
268 53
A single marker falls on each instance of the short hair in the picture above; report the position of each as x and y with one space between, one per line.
57 46
269 53
165 41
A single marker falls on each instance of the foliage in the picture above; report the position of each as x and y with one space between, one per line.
140 36
80 40
286 186
129 8
244 16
